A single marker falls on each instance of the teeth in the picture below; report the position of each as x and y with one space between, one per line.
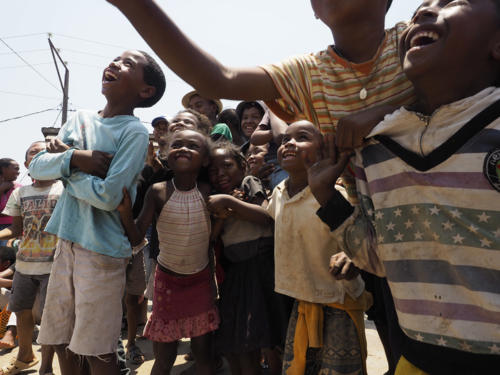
110 76
423 34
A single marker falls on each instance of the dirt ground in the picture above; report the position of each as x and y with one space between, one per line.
377 364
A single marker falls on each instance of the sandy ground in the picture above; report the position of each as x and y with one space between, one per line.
377 364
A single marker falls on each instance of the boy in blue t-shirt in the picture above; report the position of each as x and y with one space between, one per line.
85 291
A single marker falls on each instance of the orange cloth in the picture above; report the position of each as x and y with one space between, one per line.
309 329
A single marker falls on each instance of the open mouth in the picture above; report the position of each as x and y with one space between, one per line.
423 38
109 76
288 154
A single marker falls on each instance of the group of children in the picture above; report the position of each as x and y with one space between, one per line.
416 204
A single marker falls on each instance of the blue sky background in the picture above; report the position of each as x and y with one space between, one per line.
91 33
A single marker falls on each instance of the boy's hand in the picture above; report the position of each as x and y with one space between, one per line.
218 205
352 129
323 173
125 206
56 146
341 267
92 162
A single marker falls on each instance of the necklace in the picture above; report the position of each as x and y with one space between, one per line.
363 93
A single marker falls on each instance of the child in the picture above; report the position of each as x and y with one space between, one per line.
253 317
270 131
182 275
93 251
360 71
332 309
256 158
31 208
9 170
429 186
231 119
190 119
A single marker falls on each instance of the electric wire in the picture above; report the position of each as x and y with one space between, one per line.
31 66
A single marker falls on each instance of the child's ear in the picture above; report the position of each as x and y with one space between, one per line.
147 91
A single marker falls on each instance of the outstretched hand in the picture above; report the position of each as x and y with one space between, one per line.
218 205
323 172
354 128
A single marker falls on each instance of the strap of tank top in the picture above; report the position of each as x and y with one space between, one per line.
175 187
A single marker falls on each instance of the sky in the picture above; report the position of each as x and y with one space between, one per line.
91 33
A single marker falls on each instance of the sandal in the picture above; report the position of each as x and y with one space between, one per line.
134 355
16 366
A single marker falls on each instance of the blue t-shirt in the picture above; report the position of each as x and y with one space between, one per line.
86 212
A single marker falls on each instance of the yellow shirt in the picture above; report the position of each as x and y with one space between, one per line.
303 246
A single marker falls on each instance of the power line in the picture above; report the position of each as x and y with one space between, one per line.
25 94
84 53
90 41
25 51
29 114
23 66
31 66
22 35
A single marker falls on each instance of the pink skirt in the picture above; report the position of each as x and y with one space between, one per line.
183 307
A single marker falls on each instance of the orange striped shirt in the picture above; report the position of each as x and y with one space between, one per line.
323 87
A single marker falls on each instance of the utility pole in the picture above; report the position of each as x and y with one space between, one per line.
65 85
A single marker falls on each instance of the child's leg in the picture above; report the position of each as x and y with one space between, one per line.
165 354
47 358
25 326
203 351
106 364
69 362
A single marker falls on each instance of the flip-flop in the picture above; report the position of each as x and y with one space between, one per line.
16 366
134 355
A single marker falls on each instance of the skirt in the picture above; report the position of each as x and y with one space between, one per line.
253 316
183 307
341 351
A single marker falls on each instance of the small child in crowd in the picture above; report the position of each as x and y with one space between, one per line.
183 274
326 328
9 170
84 296
31 207
429 190
253 316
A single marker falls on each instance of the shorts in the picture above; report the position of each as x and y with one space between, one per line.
83 307
25 289
151 282
136 275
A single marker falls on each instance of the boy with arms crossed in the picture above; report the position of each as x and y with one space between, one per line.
428 182
85 293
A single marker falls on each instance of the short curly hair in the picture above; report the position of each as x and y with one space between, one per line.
204 123
233 151
153 76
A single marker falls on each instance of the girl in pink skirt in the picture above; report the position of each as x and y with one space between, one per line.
183 300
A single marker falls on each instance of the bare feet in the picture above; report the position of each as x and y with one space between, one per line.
8 341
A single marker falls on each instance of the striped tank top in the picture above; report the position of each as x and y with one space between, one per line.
183 232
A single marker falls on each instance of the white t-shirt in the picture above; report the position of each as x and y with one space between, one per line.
35 205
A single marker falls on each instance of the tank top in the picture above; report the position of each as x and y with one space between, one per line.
184 232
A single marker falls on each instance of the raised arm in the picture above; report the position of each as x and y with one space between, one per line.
190 62
254 212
